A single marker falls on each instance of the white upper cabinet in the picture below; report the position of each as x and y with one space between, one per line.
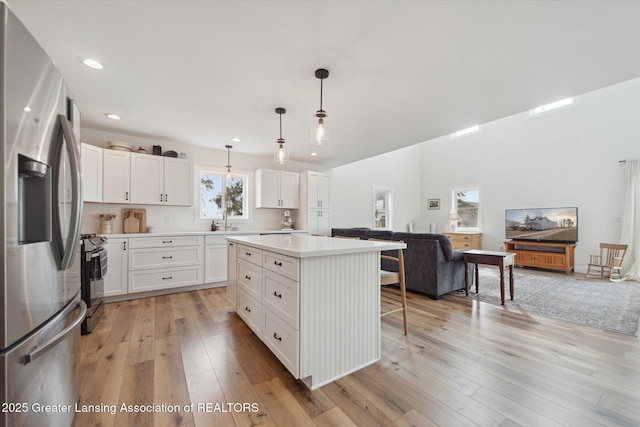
116 176
147 183
91 157
318 190
145 179
178 181
277 189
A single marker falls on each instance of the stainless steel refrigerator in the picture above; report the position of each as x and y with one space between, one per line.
39 235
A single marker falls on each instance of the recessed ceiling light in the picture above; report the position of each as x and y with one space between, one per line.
235 139
314 154
92 63
112 116
27 109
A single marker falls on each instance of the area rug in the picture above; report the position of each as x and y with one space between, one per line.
593 302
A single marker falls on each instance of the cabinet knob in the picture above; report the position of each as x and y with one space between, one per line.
247 309
279 264
167 278
277 337
277 295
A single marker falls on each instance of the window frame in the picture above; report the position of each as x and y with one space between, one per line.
453 205
388 210
200 171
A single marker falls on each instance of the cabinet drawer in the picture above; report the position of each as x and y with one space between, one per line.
250 311
282 264
163 242
215 240
140 259
250 279
282 339
281 297
147 280
250 254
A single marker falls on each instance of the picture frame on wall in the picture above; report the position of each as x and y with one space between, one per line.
433 204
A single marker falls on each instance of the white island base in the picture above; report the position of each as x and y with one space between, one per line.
314 301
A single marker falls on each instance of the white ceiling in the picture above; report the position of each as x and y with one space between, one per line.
402 72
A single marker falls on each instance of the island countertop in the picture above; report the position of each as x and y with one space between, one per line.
304 246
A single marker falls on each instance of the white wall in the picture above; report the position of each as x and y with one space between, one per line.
352 194
566 158
176 218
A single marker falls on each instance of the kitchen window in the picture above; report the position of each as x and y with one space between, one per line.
218 192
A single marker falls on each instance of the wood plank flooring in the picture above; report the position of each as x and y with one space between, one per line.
464 363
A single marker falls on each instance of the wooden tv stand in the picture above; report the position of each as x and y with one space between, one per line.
554 256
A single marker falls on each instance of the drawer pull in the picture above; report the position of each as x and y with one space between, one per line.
279 264
167 278
167 257
167 241
277 295
247 277
247 309
277 337
247 253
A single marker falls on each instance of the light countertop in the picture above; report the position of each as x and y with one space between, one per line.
202 233
304 246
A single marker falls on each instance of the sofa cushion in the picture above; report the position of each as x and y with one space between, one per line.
445 242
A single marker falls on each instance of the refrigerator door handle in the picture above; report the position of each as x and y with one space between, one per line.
38 351
67 252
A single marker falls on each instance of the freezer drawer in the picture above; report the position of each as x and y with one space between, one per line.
38 374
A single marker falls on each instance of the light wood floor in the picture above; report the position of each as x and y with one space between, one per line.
464 363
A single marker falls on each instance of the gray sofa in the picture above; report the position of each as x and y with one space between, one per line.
432 267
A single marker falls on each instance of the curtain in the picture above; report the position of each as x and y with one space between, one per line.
631 222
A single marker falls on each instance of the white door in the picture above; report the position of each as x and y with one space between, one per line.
91 158
268 189
232 273
215 269
312 187
116 176
323 191
147 179
115 281
289 190
177 182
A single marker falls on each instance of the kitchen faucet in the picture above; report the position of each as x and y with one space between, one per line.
224 218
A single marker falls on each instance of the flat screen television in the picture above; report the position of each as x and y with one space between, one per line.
542 224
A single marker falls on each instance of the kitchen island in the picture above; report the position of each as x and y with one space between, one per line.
314 301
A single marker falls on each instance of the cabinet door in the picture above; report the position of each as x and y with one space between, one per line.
289 189
215 268
324 182
115 281
267 188
178 180
116 176
232 274
91 158
323 223
318 190
147 179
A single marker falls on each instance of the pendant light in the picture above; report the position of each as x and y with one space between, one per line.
280 155
228 166
319 130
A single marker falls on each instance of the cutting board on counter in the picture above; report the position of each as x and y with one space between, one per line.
134 220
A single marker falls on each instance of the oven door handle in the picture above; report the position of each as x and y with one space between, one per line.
97 253
38 351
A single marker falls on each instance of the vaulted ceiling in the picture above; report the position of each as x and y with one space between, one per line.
401 72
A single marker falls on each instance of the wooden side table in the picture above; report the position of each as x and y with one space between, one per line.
501 259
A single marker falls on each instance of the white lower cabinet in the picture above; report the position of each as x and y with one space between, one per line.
215 255
268 286
232 273
116 279
250 310
161 262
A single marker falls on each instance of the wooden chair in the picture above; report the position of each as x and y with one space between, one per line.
609 260
392 278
